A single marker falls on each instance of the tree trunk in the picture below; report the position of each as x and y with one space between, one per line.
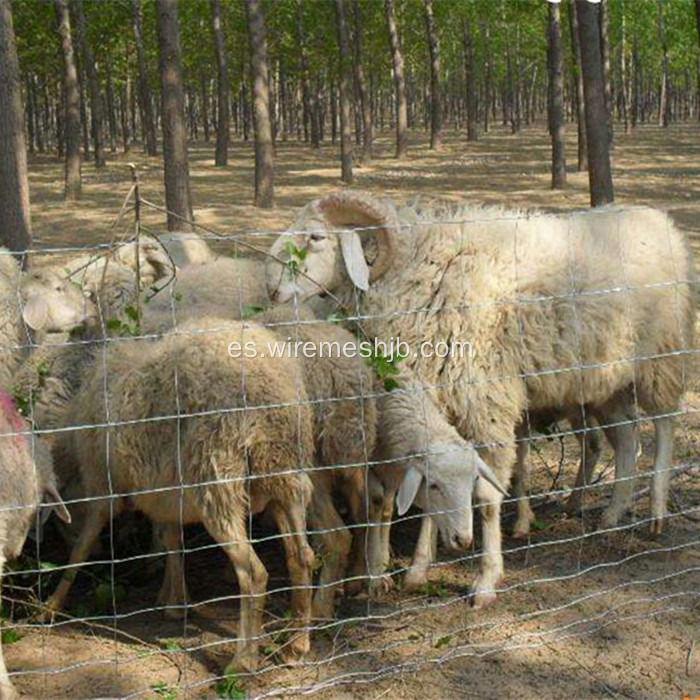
177 176
556 98
124 99
582 165
664 103
223 122
435 91
344 93
16 229
624 73
599 173
71 99
96 109
486 31
149 127
204 98
264 150
365 106
697 21
399 82
605 58
111 111
472 113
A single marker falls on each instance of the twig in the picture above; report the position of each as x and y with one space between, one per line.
688 657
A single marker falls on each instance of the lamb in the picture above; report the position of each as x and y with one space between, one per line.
27 478
31 305
418 456
600 282
231 455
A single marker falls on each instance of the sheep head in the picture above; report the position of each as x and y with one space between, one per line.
441 483
347 238
51 304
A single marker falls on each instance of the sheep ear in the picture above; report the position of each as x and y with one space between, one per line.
408 490
354 257
53 499
35 312
486 473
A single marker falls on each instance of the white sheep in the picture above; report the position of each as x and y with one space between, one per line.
193 439
26 480
31 305
561 310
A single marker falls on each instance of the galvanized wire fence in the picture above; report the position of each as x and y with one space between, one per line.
566 577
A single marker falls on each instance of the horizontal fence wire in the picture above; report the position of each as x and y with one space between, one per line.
215 500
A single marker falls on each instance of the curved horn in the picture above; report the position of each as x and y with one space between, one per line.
360 209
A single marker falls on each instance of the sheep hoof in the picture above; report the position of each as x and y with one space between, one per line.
608 520
380 586
656 526
481 595
415 580
354 588
174 613
521 531
245 661
293 653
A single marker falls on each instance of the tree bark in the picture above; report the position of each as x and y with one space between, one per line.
399 82
223 123
344 93
486 31
605 58
435 90
599 173
149 127
177 176
16 229
365 106
71 99
556 98
664 103
624 73
697 21
264 150
582 165
472 113
111 110
96 107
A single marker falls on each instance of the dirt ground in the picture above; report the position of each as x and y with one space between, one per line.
582 614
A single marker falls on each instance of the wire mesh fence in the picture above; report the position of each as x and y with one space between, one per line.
232 486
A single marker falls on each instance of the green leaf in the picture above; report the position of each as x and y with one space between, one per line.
443 642
539 525
230 687
10 635
132 313
250 310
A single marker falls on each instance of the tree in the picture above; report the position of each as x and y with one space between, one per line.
604 21
71 98
264 148
365 106
399 82
144 91
177 174
582 164
14 187
556 98
599 173
664 102
96 109
435 97
697 22
344 85
223 125
472 114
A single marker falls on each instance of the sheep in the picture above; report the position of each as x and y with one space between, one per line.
416 447
33 304
599 282
27 478
232 454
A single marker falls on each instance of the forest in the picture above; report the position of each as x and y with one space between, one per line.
519 177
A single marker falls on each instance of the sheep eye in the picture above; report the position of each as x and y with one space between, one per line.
315 237
434 487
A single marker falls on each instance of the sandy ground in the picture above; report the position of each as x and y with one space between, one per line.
582 614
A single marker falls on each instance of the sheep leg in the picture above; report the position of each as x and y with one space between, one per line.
423 556
252 580
484 589
380 547
291 522
97 517
334 544
521 490
623 438
591 449
7 690
173 592
663 458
